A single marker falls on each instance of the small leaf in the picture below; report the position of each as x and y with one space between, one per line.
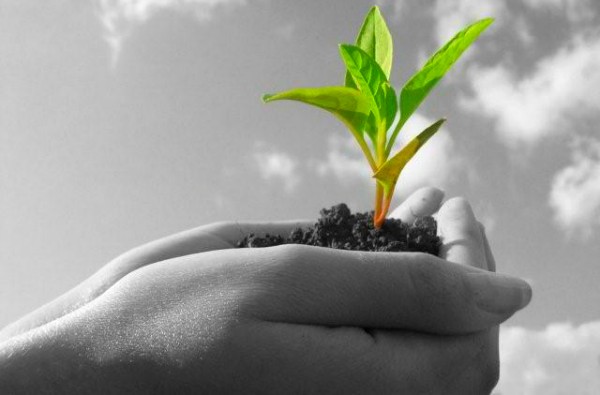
369 77
387 102
367 74
375 39
419 86
388 174
348 104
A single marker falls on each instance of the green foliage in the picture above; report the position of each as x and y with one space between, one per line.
349 105
388 174
369 77
368 104
419 86
375 39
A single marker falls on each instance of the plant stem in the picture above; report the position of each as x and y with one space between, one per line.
379 191
363 146
390 144
378 201
367 152
379 219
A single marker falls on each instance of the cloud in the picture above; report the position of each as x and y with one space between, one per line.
562 88
561 359
437 163
120 17
454 15
278 166
399 6
345 161
575 10
575 193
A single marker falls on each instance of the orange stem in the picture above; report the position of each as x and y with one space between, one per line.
378 199
380 216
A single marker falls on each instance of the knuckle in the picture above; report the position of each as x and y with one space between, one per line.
471 232
458 202
429 277
279 280
441 291
281 264
288 255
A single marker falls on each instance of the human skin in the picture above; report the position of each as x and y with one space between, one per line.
189 314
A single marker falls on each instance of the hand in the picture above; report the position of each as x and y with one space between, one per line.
216 236
288 319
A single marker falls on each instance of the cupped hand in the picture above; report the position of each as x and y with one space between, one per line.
216 236
299 319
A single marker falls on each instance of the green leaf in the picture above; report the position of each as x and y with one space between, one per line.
388 101
348 104
419 86
388 174
375 39
365 72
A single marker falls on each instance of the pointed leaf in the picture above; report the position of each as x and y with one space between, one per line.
419 86
369 77
375 39
388 174
348 104
372 127
367 74
387 102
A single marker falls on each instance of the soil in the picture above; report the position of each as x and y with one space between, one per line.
339 228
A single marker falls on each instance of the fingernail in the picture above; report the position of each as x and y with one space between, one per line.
498 293
421 204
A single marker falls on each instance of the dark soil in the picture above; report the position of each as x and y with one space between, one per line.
339 228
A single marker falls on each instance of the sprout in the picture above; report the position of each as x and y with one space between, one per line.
369 106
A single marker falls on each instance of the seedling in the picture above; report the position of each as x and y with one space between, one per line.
369 106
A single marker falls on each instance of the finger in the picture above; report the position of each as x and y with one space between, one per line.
489 257
217 236
462 242
319 286
465 364
423 202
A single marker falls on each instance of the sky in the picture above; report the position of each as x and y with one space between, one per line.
125 121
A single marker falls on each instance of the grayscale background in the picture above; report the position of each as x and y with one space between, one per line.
125 121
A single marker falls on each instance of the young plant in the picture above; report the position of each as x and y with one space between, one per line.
369 106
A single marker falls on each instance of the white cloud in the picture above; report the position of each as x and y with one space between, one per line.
345 161
120 17
561 359
561 88
279 166
399 6
436 164
454 15
575 194
523 31
575 10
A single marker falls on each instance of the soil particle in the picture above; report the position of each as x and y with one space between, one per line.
339 228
